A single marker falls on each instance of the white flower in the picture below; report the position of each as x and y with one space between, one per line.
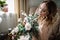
30 14
22 37
9 29
15 30
20 20
12 32
25 19
27 36
28 26
0 19
23 13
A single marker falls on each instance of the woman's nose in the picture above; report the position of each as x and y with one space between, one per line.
40 11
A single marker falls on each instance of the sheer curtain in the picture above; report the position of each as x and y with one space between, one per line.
9 19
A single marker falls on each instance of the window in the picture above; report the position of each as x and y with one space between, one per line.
10 5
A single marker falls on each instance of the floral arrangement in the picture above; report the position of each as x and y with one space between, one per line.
26 28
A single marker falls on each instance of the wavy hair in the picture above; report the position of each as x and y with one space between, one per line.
52 9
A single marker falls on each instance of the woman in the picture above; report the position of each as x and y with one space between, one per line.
48 21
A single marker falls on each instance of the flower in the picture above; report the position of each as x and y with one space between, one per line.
20 20
23 13
15 30
30 14
27 36
22 37
28 26
25 19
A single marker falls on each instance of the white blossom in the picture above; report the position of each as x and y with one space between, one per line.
27 36
15 30
28 26
30 14
20 20
22 37
10 29
23 13
25 19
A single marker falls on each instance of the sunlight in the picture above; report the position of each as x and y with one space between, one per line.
10 5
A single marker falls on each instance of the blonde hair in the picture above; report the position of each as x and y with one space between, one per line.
52 10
